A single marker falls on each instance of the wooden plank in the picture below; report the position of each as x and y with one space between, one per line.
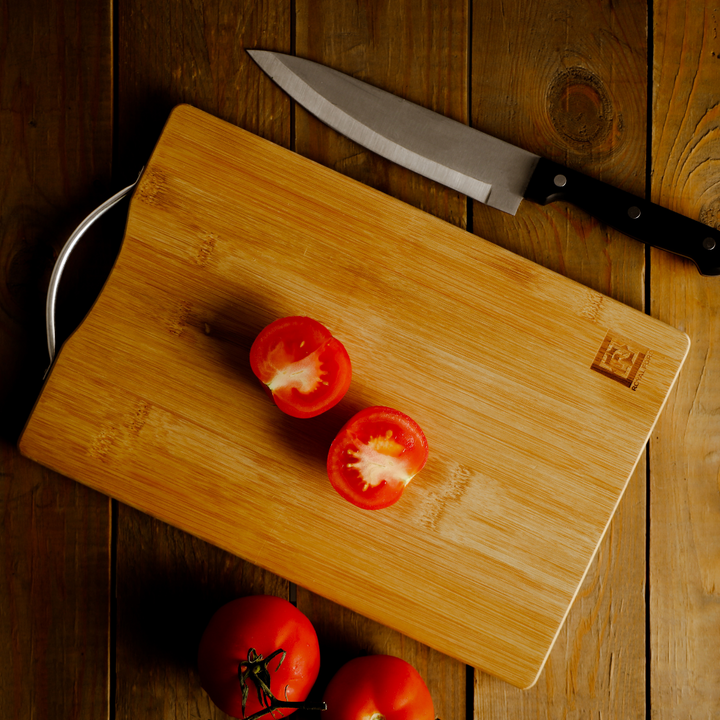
418 50
55 145
684 457
567 81
169 586
169 53
173 52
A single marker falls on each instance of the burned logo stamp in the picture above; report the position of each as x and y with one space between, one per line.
622 360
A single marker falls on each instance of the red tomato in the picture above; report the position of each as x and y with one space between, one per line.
378 686
248 636
305 369
375 455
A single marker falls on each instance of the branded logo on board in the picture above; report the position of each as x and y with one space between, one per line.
622 360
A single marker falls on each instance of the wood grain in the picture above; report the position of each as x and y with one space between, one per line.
684 459
176 51
569 82
55 148
171 585
564 79
418 50
55 144
167 417
172 52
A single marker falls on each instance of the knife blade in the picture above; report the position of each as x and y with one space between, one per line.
476 164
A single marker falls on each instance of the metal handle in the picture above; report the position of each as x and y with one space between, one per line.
57 272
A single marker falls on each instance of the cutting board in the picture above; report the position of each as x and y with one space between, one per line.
536 394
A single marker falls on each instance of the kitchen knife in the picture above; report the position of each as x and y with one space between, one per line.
485 168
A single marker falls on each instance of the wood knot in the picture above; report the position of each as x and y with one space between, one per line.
152 187
207 246
592 305
136 419
710 214
103 443
580 108
456 480
178 318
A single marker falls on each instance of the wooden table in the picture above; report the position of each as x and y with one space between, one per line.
101 606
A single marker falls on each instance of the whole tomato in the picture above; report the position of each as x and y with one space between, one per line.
258 653
375 687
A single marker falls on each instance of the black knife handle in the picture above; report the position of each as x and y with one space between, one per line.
640 219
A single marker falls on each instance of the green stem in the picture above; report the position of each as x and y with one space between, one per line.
275 704
255 669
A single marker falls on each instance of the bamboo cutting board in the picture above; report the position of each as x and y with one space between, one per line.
536 394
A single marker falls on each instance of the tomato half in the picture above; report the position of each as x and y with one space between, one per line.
378 686
374 457
243 639
304 368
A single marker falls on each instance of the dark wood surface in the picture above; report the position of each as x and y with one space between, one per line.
101 606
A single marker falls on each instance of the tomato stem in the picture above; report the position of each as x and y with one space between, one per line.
255 669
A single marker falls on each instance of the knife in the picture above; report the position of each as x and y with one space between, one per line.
478 165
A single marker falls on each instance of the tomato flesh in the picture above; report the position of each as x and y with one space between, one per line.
303 367
378 686
265 624
374 457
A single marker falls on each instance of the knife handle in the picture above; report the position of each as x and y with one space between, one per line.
640 219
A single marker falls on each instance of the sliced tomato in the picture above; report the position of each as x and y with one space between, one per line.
375 455
304 368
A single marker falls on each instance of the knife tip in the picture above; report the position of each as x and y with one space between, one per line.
257 54
264 59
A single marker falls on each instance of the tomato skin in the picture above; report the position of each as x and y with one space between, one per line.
302 366
265 623
378 684
375 455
